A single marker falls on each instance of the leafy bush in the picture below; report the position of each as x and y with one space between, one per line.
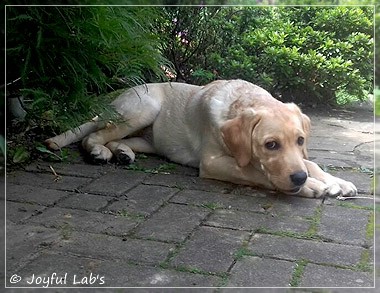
298 53
305 52
66 58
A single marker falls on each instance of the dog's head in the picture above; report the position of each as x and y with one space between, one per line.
273 140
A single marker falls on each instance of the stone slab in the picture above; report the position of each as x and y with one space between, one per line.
333 158
249 221
26 240
335 142
144 199
109 273
324 276
189 182
362 181
254 202
18 212
172 223
344 225
210 249
34 194
83 201
63 168
100 246
162 165
115 183
68 220
295 249
69 183
260 272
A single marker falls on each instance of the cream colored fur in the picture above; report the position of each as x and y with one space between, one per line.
231 130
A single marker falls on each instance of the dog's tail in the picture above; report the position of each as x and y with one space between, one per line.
77 134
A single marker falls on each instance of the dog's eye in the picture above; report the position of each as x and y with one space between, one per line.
272 145
300 140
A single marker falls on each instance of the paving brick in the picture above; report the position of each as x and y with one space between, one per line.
172 223
222 200
324 276
261 272
210 249
115 183
326 142
252 200
25 240
295 249
344 225
17 212
189 182
68 183
85 201
362 181
367 202
161 165
107 247
293 206
34 194
78 220
333 158
251 221
63 168
113 273
144 199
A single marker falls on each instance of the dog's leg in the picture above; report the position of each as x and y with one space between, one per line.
124 149
320 183
225 168
70 136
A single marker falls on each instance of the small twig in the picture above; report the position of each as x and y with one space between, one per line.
339 197
57 177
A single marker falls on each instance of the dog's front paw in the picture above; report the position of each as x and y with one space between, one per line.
334 187
347 187
313 188
100 154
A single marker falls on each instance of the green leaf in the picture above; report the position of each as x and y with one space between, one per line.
2 145
21 155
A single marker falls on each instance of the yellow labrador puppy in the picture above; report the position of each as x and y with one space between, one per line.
231 130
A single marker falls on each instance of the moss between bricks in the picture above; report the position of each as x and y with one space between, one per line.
315 221
66 230
298 272
354 206
364 263
370 229
132 216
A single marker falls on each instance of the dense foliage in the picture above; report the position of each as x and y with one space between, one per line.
62 59
308 53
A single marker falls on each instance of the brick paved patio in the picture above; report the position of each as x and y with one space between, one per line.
156 224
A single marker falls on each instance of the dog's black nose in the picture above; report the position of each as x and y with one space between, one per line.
298 178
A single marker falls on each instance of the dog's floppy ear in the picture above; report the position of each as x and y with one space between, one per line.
306 128
305 125
237 135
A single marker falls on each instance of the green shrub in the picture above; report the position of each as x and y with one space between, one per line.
66 58
297 53
304 52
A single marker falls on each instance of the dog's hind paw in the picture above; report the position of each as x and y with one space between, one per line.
51 144
124 159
